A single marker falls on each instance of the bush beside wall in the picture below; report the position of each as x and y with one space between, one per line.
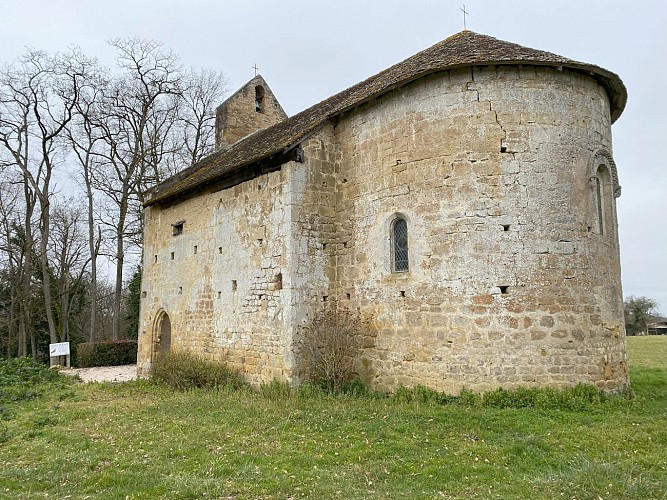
183 371
107 353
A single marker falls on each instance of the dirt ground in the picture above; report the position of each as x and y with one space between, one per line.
104 373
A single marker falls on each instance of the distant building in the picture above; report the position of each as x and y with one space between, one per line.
461 205
657 327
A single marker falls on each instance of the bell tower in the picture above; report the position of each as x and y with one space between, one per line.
251 108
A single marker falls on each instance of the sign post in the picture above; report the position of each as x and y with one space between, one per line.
58 350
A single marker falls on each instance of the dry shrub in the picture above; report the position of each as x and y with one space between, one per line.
326 351
184 371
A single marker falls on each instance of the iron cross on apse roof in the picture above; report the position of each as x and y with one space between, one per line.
465 13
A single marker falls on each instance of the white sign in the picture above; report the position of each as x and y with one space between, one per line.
59 349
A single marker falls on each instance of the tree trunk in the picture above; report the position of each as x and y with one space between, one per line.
26 277
64 310
94 250
120 260
22 350
46 275
33 345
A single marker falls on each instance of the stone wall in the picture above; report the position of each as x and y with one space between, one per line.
511 281
225 282
507 284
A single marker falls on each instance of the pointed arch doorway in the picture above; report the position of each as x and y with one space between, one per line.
161 335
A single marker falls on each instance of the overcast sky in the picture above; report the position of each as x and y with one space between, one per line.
310 50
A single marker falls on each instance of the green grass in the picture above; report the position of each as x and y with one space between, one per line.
648 352
140 440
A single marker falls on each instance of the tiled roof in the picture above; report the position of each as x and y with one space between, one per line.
463 49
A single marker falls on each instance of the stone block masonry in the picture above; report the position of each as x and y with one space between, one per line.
491 170
503 177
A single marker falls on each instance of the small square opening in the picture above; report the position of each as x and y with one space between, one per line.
506 227
177 228
504 289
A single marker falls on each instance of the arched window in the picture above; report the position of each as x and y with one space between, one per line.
399 246
603 206
259 98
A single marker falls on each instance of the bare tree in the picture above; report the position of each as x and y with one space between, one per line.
69 260
39 96
125 133
11 265
134 122
15 151
84 137
202 94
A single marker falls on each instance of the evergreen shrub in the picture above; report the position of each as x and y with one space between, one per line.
106 353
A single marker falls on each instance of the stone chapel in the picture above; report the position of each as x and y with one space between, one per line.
461 205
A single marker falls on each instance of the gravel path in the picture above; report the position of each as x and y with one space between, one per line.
104 373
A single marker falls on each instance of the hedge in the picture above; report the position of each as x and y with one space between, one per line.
107 353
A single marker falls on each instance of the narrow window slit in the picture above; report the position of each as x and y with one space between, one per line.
278 281
172 255
234 285
259 98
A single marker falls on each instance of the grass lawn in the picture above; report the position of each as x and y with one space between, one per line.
137 440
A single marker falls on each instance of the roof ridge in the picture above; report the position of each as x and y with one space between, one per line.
462 49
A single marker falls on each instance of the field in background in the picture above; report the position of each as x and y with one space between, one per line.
648 352
137 440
